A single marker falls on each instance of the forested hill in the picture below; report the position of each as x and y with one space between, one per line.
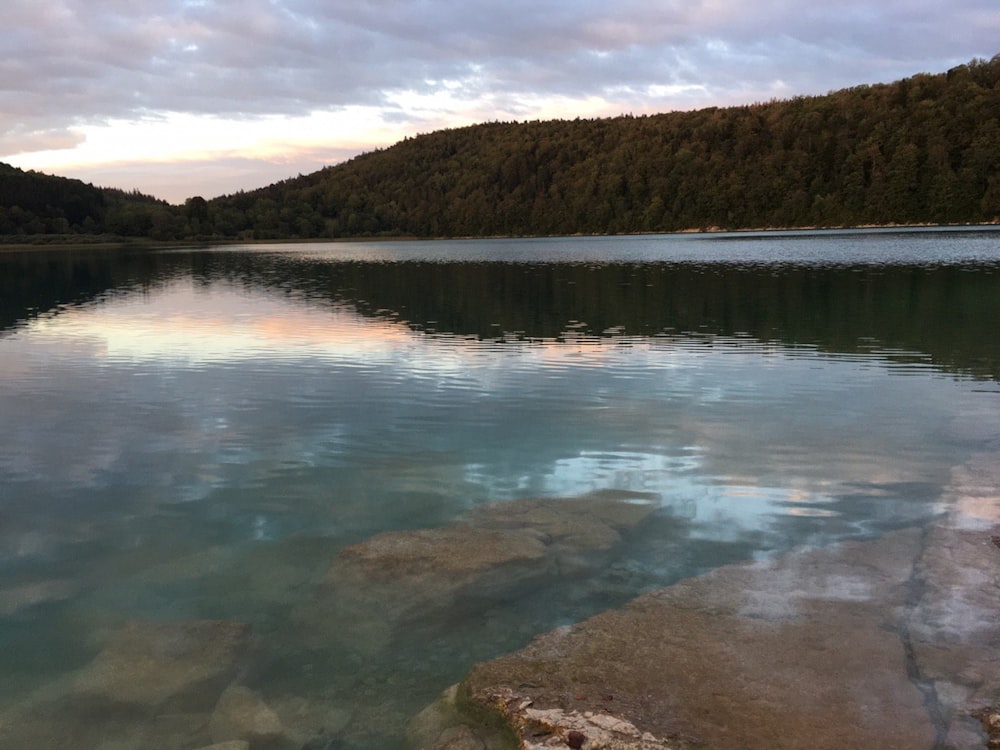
925 149
39 205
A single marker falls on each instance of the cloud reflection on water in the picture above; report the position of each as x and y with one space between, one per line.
212 388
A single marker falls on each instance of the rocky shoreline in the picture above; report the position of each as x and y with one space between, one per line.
892 642
889 643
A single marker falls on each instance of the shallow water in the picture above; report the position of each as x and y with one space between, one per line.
195 434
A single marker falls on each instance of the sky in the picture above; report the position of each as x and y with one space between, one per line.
178 98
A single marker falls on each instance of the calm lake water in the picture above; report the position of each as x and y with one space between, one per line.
194 434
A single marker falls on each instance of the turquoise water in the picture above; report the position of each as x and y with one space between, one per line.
196 434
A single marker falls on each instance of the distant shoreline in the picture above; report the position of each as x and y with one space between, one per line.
103 242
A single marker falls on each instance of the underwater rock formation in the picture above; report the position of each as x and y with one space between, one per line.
394 577
886 643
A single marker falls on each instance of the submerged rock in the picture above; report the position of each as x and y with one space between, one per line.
888 643
443 726
241 714
402 575
166 666
574 525
27 595
153 685
429 566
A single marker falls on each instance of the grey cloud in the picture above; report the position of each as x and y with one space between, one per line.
79 61
22 138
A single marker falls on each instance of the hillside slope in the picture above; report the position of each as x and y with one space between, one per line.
923 149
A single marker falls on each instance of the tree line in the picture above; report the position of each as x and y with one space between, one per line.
925 149
36 205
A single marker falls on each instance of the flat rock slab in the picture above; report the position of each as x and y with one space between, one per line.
888 643
789 653
954 625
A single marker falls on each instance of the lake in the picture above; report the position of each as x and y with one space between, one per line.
197 434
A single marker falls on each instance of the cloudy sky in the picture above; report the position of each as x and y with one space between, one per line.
203 97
